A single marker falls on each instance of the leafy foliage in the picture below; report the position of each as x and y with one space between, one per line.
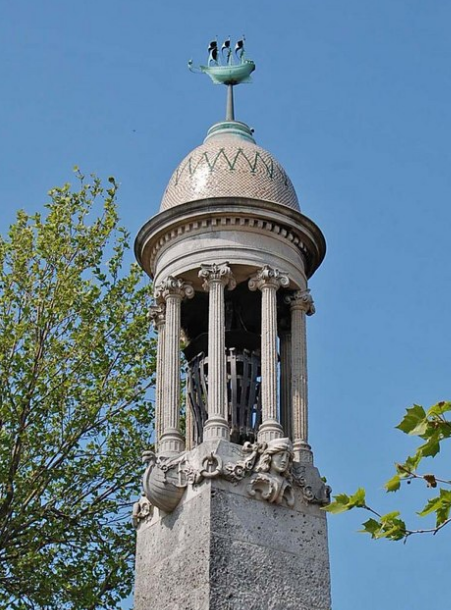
76 360
433 428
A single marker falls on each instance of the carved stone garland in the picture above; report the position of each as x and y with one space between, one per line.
268 468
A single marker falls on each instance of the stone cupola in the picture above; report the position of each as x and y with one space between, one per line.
229 164
231 204
230 255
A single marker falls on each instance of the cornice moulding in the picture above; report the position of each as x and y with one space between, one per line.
241 214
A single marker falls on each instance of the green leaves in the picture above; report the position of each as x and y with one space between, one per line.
414 421
387 526
432 427
76 362
440 505
394 483
343 502
423 423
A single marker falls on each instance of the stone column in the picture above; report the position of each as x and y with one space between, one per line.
158 316
172 290
285 379
269 280
216 279
301 304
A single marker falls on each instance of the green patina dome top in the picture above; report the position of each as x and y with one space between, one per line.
229 164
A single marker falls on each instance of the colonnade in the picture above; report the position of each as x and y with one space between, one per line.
293 384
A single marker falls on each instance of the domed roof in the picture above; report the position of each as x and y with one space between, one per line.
229 164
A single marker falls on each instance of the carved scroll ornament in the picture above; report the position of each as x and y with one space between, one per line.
268 468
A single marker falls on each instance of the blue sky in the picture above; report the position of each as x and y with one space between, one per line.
353 99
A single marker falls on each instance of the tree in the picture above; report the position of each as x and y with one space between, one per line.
76 361
433 428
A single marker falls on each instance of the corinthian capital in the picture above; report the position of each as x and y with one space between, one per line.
301 299
157 314
173 287
217 273
268 277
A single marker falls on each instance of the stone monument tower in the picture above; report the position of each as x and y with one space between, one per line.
231 517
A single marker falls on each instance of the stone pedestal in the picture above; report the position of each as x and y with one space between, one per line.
221 549
223 526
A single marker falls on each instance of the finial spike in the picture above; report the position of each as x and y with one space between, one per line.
230 110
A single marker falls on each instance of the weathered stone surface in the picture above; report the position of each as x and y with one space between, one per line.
266 557
173 555
222 550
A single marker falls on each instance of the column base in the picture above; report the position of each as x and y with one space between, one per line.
216 428
171 442
302 452
269 430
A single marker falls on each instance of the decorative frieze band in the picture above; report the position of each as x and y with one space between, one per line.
231 222
265 471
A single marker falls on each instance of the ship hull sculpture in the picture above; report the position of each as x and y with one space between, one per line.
230 515
229 72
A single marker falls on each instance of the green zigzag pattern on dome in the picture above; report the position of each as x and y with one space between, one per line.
191 166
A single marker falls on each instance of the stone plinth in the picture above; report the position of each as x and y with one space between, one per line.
222 549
